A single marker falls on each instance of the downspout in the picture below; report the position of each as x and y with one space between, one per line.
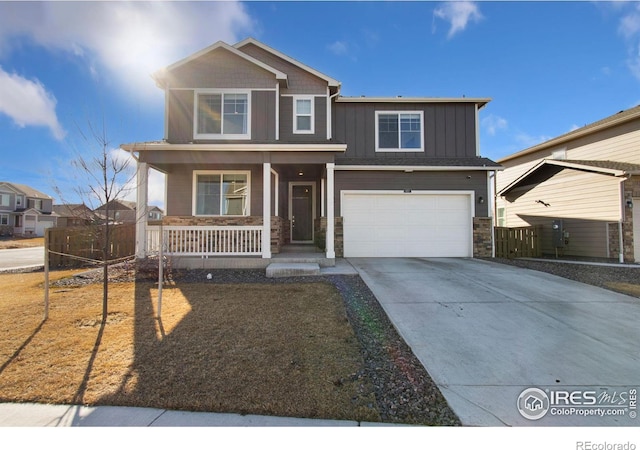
329 115
621 221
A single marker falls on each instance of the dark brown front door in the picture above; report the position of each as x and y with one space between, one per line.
302 213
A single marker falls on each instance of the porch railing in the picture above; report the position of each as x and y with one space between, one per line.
205 240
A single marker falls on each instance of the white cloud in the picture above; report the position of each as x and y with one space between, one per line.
493 124
339 48
526 140
28 103
130 40
458 14
630 23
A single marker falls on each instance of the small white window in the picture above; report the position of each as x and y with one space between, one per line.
4 219
399 131
502 219
303 122
221 193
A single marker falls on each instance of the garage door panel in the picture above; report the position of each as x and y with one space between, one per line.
413 225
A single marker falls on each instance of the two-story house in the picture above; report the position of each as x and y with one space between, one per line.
585 182
261 149
24 210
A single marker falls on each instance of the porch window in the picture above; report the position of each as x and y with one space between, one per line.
399 131
222 115
4 219
221 193
303 115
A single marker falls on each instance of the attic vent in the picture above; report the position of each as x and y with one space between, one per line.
559 154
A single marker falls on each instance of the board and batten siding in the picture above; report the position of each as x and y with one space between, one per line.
449 129
416 181
287 119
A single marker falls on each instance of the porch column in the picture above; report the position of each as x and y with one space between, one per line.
331 253
142 187
266 210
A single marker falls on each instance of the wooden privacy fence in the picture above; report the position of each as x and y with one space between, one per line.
87 242
522 242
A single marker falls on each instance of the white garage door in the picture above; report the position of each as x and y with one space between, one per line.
417 224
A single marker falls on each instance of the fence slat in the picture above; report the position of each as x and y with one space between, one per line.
519 242
206 240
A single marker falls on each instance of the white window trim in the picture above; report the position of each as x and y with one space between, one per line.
295 114
396 150
194 197
5 194
221 136
3 216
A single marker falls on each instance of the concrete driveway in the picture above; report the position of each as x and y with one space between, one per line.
486 332
21 257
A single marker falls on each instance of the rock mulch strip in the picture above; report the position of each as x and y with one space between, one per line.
595 275
404 390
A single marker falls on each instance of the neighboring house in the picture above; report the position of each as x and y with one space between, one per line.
589 179
24 210
73 215
259 144
154 213
119 211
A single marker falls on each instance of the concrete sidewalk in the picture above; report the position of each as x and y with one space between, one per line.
39 415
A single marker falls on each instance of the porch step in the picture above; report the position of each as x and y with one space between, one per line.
277 270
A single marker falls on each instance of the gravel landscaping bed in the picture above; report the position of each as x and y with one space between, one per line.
404 390
596 275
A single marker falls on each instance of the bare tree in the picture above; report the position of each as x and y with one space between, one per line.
104 178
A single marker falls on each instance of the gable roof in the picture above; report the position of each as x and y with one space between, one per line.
328 79
26 190
118 205
160 75
547 168
608 122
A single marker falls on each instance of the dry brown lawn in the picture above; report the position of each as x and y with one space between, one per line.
17 242
248 348
625 288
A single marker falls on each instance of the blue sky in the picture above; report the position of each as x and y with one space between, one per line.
549 67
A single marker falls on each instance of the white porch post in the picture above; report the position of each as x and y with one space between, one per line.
142 187
266 210
331 253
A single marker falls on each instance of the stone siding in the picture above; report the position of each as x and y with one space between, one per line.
482 237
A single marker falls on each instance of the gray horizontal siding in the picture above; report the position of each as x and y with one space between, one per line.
180 187
449 129
181 109
221 69
416 181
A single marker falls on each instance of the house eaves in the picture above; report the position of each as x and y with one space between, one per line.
606 123
547 168
161 75
243 147
26 190
328 79
481 102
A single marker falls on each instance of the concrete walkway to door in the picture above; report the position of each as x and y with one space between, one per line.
486 332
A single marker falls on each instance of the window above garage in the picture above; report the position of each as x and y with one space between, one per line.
399 131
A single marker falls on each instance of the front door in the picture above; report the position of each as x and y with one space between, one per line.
301 211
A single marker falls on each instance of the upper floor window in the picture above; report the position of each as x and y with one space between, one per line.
222 115
221 193
35 203
399 131
303 115
4 200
